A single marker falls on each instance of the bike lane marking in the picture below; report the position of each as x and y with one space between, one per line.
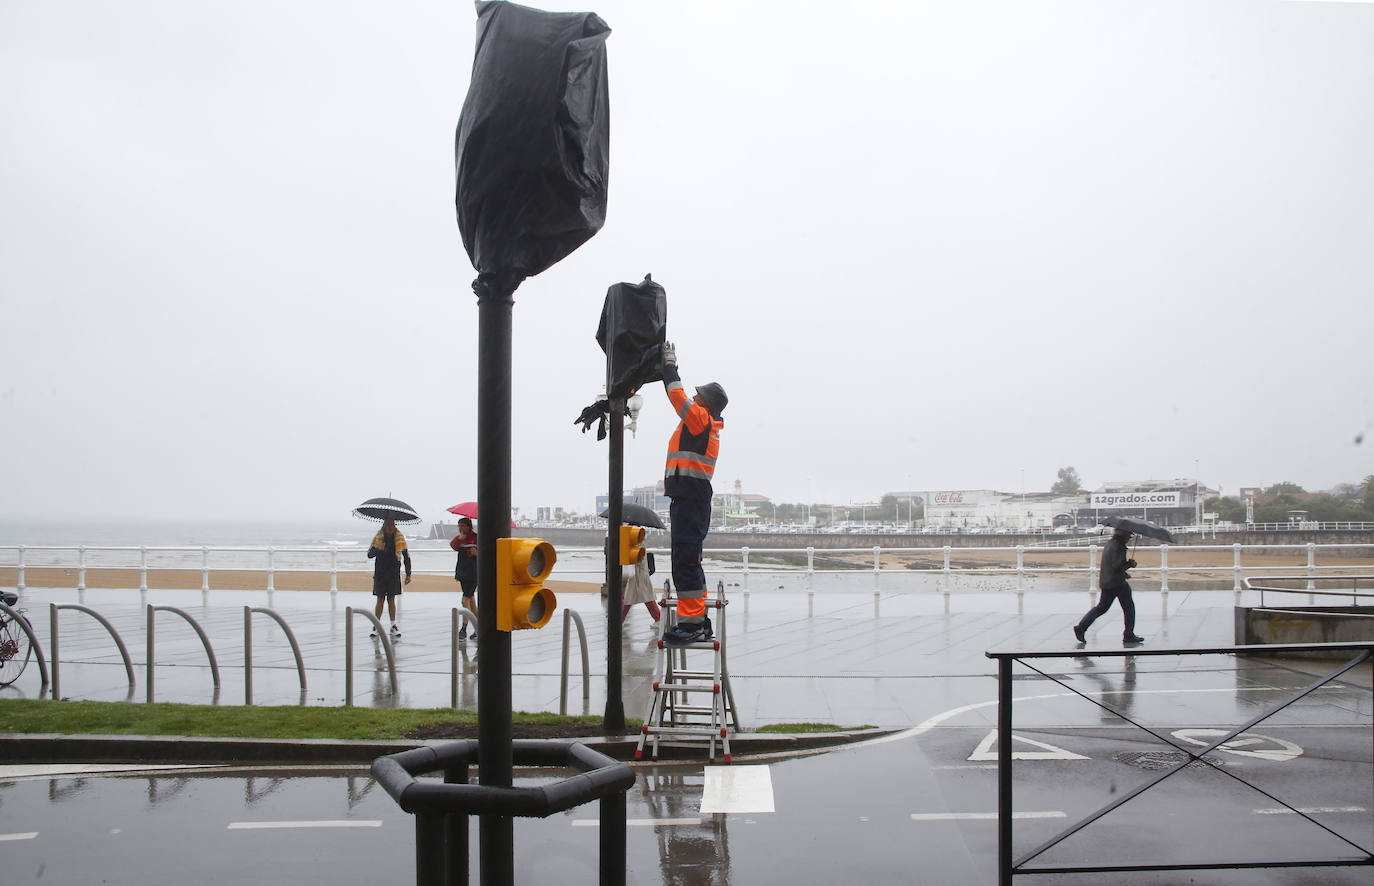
276 825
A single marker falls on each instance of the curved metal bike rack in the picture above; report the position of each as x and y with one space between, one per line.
248 650
200 632
571 616
119 642
33 641
458 614
348 652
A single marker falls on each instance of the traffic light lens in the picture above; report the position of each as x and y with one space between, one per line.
537 614
535 565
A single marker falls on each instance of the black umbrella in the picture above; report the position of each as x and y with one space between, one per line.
1135 526
381 509
638 515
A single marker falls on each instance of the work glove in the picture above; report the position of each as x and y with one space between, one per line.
1130 564
590 415
669 354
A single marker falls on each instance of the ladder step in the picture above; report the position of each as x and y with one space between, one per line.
671 688
694 675
685 730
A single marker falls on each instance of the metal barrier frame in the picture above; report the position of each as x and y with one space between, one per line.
119 642
441 810
153 609
349 612
1008 866
248 650
1252 584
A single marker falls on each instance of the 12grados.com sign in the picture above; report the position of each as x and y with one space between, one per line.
1136 499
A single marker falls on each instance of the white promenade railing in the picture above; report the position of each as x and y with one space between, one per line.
1219 565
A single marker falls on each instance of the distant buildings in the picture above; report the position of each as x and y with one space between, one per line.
1170 503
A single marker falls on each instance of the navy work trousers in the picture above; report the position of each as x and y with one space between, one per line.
690 519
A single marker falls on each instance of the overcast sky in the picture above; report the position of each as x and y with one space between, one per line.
923 245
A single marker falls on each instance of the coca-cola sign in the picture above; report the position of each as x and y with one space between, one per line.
949 498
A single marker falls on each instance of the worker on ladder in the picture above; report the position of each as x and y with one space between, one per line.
692 453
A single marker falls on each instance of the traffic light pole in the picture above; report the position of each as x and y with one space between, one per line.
613 721
495 307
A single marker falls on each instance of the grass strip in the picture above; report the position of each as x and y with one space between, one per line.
213 721
799 728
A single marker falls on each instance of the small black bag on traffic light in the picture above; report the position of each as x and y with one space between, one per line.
634 323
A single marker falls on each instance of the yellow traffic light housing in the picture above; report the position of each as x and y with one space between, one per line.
631 545
522 601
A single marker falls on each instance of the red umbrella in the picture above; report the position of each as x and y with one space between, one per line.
469 509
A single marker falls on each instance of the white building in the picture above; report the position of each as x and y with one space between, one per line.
989 509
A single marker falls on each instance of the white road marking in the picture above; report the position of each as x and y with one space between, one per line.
930 723
1279 750
47 770
986 751
737 789
637 822
1310 810
982 816
988 766
270 825
28 836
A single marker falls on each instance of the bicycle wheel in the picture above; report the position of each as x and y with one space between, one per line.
15 650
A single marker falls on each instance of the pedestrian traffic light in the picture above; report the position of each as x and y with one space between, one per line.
522 601
631 545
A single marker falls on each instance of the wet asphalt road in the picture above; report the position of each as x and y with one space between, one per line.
915 809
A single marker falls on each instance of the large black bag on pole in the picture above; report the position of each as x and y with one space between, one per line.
533 142
634 323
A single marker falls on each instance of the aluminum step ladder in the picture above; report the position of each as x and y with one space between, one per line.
690 707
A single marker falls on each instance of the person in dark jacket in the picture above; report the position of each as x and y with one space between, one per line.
388 551
1111 580
465 572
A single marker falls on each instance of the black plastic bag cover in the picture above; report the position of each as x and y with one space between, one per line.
634 324
533 143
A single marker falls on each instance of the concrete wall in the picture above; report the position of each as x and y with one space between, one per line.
1305 624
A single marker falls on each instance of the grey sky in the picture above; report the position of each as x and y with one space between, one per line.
923 245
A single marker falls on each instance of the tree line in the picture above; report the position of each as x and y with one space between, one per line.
1347 502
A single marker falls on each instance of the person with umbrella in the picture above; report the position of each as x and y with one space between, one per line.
692 453
389 550
465 572
1111 580
639 585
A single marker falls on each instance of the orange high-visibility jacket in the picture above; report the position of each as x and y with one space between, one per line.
694 446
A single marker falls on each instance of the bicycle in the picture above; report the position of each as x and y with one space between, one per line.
15 648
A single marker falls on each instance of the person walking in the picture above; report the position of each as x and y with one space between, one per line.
1111 580
389 551
465 572
639 588
691 463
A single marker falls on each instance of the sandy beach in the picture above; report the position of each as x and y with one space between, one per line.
245 580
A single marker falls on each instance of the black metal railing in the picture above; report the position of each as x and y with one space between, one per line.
1008 865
